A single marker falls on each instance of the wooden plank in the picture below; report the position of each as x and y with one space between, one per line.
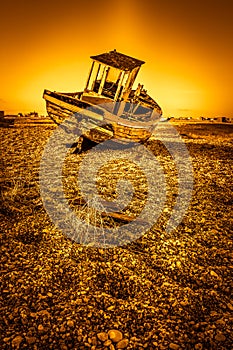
72 108
103 79
119 86
119 216
115 215
90 73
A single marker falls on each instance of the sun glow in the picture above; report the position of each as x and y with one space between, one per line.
51 47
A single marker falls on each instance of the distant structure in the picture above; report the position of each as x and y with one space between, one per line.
32 115
219 119
22 120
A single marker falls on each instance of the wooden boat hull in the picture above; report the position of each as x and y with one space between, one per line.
98 124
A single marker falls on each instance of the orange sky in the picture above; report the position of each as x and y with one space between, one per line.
187 46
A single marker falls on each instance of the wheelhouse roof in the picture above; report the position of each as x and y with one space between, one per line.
118 60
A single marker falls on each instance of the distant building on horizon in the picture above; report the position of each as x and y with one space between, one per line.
218 119
2 113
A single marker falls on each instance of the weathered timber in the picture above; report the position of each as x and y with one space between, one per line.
122 217
108 102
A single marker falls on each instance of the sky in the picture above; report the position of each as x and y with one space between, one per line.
187 47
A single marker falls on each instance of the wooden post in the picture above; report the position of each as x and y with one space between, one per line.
120 109
89 76
119 85
125 92
93 84
132 78
103 79
129 83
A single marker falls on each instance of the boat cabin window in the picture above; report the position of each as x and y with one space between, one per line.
111 82
113 75
109 77
137 112
107 81
98 77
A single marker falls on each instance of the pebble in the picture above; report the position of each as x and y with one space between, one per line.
31 340
40 328
173 346
17 341
107 342
6 340
70 323
220 337
198 346
94 341
102 336
122 344
64 347
62 329
214 274
230 306
87 345
115 335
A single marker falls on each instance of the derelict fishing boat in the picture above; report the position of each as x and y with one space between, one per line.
108 107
